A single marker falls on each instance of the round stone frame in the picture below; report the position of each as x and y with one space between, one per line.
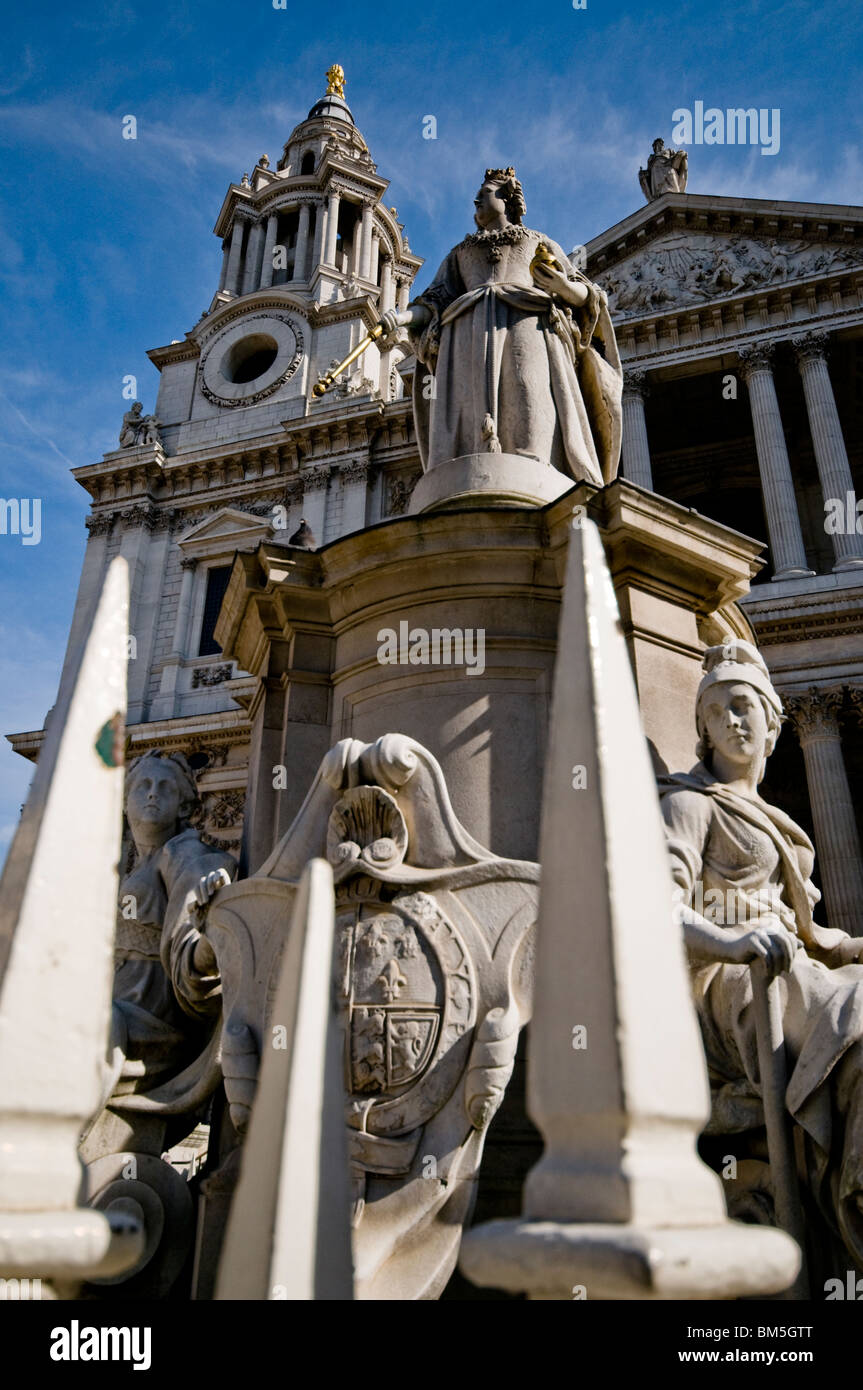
287 360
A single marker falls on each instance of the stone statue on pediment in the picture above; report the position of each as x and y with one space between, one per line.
667 172
138 429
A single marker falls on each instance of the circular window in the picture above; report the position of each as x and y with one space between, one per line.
250 358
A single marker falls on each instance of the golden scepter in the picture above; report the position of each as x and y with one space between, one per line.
326 381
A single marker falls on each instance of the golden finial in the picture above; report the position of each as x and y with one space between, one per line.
336 81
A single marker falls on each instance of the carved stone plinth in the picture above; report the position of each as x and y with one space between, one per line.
308 627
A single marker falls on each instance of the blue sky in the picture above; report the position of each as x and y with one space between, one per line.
106 245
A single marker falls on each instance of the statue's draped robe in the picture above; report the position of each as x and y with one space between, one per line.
548 374
165 1046
747 851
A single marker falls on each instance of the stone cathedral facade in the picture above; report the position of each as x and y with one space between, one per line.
740 323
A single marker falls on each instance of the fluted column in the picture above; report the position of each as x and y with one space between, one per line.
777 486
232 281
634 445
815 717
387 284
320 235
254 250
830 453
366 241
302 244
269 247
332 228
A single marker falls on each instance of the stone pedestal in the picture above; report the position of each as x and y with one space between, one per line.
316 630
488 480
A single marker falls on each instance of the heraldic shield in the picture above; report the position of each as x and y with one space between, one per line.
432 968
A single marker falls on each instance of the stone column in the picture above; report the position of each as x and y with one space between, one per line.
269 247
315 482
254 250
320 234
830 453
164 705
635 448
402 294
180 647
302 245
226 251
376 250
387 284
232 281
777 485
815 717
354 481
368 222
332 228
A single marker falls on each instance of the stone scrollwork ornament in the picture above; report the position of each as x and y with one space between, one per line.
432 985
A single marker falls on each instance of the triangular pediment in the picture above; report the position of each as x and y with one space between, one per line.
683 251
224 532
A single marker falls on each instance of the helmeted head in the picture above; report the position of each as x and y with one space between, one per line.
160 792
737 709
500 194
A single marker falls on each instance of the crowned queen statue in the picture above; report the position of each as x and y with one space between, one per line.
518 385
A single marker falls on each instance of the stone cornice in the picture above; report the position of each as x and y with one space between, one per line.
705 332
234 473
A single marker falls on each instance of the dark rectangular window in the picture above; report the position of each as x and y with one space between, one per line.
217 583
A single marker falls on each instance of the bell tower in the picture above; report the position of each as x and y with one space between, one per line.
240 451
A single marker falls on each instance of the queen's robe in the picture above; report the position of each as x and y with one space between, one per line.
547 373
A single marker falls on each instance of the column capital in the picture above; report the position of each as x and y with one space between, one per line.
294 491
357 471
189 562
855 700
635 382
809 347
99 523
755 357
315 479
814 713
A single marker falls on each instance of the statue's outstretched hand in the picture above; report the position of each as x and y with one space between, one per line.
203 956
210 884
764 938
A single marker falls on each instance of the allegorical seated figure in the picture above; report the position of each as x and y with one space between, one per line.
520 347
742 870
167 993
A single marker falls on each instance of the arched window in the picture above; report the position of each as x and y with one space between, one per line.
307 163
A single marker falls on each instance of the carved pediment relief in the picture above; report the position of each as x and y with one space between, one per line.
684 269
